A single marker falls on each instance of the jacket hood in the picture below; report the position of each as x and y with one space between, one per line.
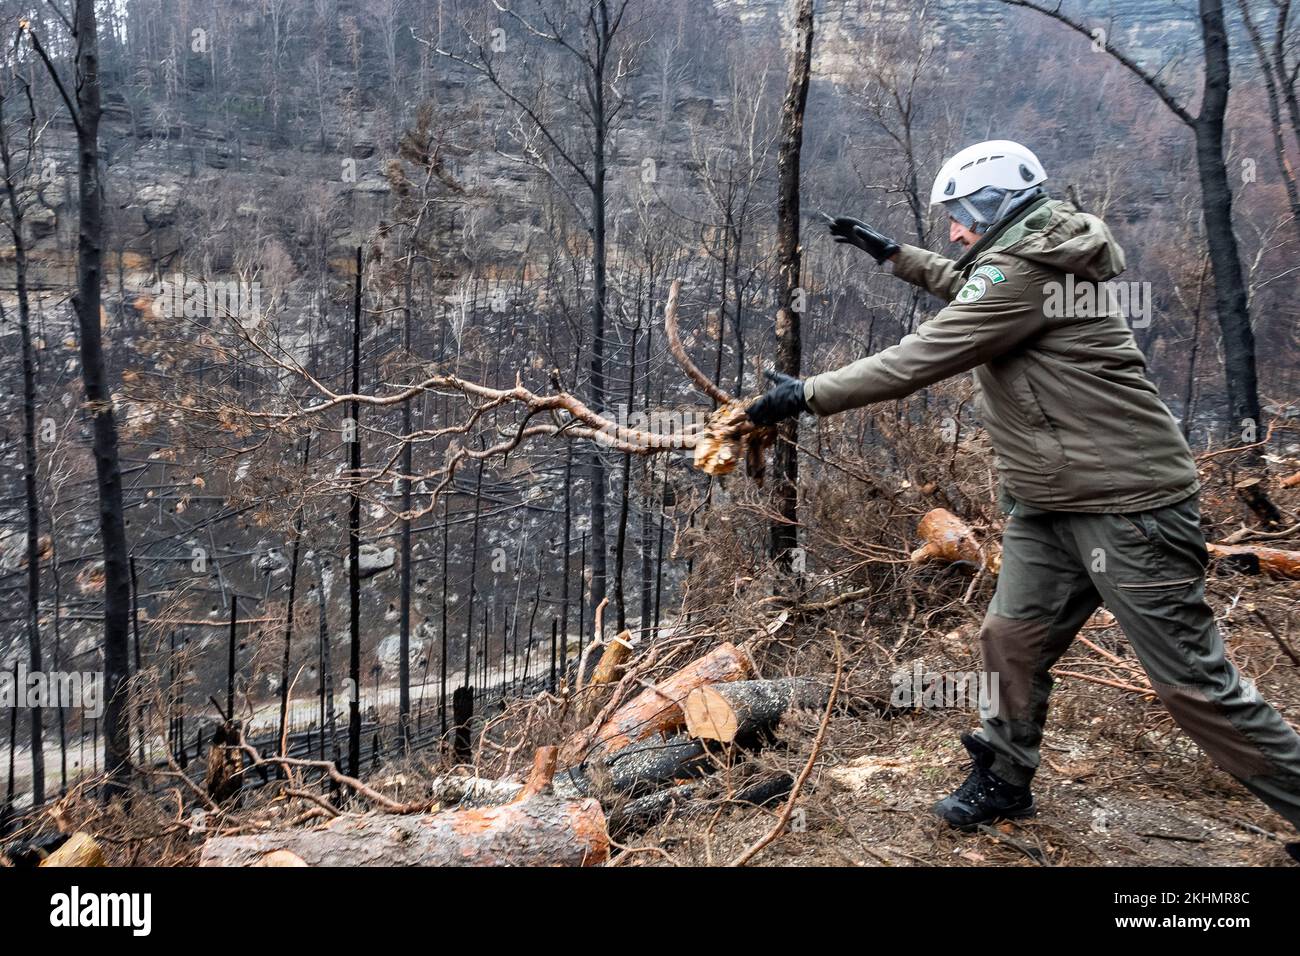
1058 236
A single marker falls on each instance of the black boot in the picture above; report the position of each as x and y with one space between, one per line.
984 797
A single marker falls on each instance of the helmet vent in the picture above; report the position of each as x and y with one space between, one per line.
950 188
1025 174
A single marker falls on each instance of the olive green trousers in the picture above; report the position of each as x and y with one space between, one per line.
1148 568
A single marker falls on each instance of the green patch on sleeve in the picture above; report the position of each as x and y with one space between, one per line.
994 274
973 290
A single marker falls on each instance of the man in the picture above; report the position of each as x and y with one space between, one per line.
1098 483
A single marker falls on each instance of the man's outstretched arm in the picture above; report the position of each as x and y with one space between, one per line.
929 270
985 319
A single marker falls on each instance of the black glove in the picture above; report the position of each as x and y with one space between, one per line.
783 400
855 232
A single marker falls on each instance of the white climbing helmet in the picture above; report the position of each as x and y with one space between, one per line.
998 162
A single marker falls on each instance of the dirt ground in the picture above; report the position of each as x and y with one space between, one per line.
1120 785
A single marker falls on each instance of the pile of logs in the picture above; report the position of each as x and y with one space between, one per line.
624 771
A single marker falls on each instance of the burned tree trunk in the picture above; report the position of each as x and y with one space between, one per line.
789 347
1254 495
85 113
404 638
638 768
1216 202
223 777
30 496
462 713
354 539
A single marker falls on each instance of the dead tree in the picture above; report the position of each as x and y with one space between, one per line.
354 539
1207 127
85 114
30 495
1273 85
789 346
288 615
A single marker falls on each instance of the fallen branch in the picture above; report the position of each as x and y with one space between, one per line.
702 381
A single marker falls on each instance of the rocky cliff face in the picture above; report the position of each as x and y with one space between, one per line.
1149 30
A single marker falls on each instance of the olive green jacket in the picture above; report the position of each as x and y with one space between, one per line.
1061 385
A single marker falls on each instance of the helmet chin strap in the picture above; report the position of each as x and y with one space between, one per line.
975 214
1008 201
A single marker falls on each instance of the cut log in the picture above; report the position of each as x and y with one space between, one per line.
648 764
608 670
539 831
658 710
642 766
641 813
1253 559
637 815
949 539
741 709
1253 493
28 853
81 849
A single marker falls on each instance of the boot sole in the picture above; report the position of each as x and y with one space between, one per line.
1030 811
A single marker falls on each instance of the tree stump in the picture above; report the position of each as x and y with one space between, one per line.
1254 495
462 713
